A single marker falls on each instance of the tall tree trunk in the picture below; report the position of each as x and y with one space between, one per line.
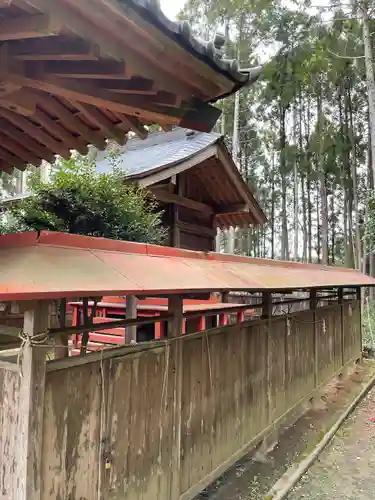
284 219
304 219
370 78
333 229
322 182
318 225
353 171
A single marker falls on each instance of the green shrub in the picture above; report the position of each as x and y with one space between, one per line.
77 200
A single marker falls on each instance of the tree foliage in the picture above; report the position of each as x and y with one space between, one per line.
79 201
304 127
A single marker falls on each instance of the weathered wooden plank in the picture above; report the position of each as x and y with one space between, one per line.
71 437
9 404
30 424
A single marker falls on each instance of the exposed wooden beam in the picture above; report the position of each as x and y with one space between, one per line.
22 138
172 49
131 86
60 132
166 197
132 123
35 132
101 121
29 27
104 69
19 150
79 24
157 47
18 103
5 167
142 106
232 209
12 160
54 107
55 50
190 228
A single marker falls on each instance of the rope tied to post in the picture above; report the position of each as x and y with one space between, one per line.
37 340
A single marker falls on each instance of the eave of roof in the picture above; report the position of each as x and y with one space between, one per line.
67 82
210 52
54 265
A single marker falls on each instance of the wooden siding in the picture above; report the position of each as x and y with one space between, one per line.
236 381
9 398
112 427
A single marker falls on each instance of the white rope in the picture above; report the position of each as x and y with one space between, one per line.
37 340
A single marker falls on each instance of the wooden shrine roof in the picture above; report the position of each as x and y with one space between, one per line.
75 73
219 187
54 265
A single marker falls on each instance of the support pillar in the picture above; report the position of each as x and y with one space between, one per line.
62 340
131 313
175 309
30 425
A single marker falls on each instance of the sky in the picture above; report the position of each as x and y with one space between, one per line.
171 7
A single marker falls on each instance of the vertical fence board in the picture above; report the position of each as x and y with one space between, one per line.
300 364
277 359
71 437
9 403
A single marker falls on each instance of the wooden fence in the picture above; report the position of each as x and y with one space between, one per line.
145 426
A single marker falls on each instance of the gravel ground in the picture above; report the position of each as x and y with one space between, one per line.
345 471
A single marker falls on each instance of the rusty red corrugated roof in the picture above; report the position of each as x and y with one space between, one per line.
52 265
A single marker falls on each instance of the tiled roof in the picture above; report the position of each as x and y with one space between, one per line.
209 51
162 149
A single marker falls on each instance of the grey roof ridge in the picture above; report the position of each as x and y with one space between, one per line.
209 52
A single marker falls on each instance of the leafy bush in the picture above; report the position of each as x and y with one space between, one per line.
77 200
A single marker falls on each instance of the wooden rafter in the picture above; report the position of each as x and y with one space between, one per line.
5 167
55 50
105 69
19 150
101 121
55 108
176 60
131 86
29 27
58 131
12 160
143 106
132 123
23 138
79 24
34 130
18 103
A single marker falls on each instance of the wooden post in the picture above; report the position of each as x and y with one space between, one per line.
131 313
266 315
313 304
175 309
30 424
340 299
62 340
85 321
359 300
266 305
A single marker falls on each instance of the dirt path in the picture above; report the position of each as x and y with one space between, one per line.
346 470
